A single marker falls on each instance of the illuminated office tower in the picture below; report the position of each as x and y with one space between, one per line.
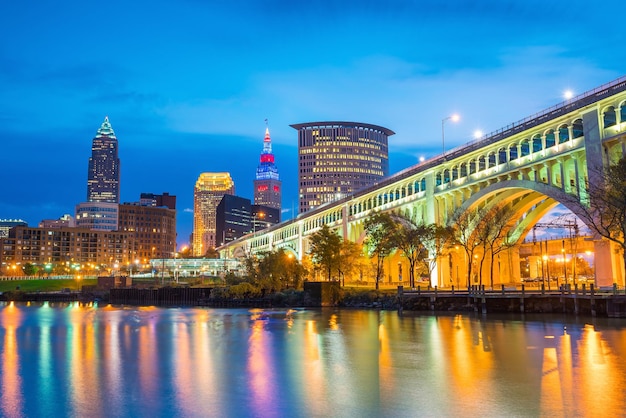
267 184
208 192
338 158
103 176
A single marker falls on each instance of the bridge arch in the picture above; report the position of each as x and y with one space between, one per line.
509 190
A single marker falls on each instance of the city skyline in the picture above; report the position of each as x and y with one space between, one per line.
191 96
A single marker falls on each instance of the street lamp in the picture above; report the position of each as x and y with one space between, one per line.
254 218
454 118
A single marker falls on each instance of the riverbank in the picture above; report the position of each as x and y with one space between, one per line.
574 302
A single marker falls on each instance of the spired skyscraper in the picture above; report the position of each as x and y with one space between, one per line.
103 177
267 185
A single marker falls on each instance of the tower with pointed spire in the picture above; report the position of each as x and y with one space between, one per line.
103 176
267 184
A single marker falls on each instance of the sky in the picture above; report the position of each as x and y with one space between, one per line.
188 84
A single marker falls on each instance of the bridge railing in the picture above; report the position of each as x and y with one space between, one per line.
516 290
566 106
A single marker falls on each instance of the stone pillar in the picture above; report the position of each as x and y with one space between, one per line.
534 266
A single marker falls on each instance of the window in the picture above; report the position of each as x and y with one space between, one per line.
609 116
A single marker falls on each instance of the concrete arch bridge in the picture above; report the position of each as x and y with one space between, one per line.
530 166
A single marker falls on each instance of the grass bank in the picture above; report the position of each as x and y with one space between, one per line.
44 285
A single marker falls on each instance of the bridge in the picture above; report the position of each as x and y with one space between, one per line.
531 166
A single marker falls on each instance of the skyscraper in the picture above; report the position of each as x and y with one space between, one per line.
339 158
267 185
208 192
103 176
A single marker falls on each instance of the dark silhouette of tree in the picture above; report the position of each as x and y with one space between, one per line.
212 253
381 231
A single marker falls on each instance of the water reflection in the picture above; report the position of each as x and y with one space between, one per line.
81 360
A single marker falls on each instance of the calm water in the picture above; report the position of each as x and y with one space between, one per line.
87 361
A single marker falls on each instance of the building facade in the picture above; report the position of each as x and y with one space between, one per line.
7 224
99 216
208 192
338 158
151 199
66 220
152 229
74 248
267 184
103 175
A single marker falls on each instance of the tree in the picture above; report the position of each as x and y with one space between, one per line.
212 253
274 271
409 239
350 259
494 228
325 249
464 224
436 239
604 210
30 269
381 230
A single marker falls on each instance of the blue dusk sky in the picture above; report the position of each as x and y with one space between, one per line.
188 84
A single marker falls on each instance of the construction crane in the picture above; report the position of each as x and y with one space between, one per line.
556 225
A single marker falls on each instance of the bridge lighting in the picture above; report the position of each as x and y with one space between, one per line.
478 134
568 94
454 118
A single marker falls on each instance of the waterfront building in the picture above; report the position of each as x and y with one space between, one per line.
267 184
169 268
7 224
153 230
208 192
103 175
76 248
100 216
336 159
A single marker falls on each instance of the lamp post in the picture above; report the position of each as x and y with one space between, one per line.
454 118
254 218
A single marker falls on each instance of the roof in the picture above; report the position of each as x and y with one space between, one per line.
344 124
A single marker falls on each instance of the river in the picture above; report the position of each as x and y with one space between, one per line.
104 361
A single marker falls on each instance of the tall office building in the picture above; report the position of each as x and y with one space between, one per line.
208 192
267 185
103 177
339 158
233 219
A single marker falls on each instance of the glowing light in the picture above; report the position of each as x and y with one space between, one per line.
455 117
478 134
568 94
